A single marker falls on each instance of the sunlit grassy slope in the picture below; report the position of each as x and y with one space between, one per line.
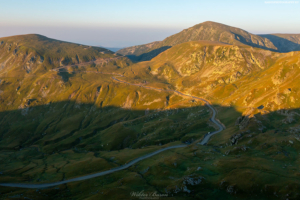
36 53
227 74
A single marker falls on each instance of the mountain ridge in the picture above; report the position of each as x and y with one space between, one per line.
211 31
33 52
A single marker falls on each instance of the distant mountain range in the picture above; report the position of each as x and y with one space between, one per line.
114 49
212 31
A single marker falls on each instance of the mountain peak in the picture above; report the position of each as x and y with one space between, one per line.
27 36
210 22
216 25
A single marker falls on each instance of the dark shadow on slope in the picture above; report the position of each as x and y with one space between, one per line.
283 45
64 125
65 75
149 55
241 39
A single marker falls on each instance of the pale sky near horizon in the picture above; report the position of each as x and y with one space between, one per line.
120 23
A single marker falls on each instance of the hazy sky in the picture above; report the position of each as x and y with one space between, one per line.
120 23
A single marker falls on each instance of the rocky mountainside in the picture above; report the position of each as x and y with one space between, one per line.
137 50
225 71
212 31
285 42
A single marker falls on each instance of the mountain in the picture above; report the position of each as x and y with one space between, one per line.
33 53
212 31
35 59
225 71
137 50
114 49
285 42
68 110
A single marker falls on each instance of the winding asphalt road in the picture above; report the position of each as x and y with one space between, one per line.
203 142
46 185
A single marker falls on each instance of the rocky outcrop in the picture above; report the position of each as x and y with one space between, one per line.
231 189
145 170
242 121
287 91
137 50
187 182
234 138
278 99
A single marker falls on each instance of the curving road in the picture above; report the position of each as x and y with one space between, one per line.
45 185
203 142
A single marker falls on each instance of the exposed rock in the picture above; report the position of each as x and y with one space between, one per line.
25 111
227 152
290 116
287 91
145 170
234 138
277 79
230 189
189 180
292 99
295 129
222 182
154 101
177 189
242 121
185 189
278 99
259 124
28 102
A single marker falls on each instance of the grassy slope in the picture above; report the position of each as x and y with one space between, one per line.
51 47
26 54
